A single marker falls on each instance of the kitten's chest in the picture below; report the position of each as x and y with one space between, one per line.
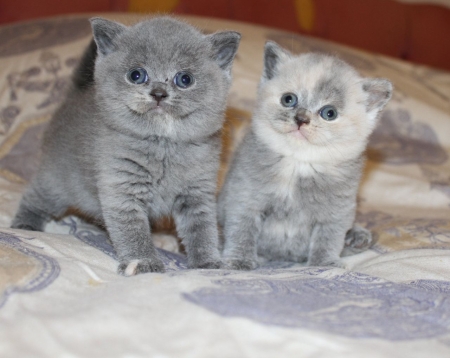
295 183
160 162
294 205
166 167
149 171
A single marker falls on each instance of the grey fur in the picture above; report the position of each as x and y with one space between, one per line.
83 76
357 240
272 55
278 203
111 153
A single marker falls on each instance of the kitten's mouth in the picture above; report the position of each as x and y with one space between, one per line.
149 108
158 108
298 133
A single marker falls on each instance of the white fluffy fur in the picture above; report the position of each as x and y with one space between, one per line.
324 142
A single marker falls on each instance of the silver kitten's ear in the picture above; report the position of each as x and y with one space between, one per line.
379 93
273 56
225 45
105 32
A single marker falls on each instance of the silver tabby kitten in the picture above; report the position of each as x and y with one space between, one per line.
139 138
290 193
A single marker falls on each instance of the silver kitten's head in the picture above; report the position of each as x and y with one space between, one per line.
316 107
163 77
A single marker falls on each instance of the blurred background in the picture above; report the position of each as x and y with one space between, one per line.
414 30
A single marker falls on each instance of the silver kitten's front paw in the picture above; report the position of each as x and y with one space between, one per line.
23 226
357 240
240 264
337 263
30 223
328 262
135 267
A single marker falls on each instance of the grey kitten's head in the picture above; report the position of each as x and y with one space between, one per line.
316 107
163 77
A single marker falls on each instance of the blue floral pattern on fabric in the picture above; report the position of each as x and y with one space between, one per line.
48 273
348 304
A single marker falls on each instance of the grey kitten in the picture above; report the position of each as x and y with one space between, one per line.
139 138
290 193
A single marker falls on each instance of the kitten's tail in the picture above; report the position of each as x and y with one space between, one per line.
83 76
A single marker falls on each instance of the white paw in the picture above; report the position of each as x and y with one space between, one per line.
138 266
131 268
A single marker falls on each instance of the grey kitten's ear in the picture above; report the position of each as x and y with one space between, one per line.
273 56
379 93
225 45
105 32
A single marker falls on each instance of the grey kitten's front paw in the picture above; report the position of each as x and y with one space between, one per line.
135 267
357 240
240 264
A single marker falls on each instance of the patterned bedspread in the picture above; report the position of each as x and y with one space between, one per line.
60 295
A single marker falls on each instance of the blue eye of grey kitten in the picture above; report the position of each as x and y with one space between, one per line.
329 113
289 100
137 76
183 79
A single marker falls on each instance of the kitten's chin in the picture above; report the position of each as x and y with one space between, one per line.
298 134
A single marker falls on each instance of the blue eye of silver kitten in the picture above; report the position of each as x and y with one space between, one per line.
289 100
329 113
137 76
183 79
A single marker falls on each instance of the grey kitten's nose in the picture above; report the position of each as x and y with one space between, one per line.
301 119
159 94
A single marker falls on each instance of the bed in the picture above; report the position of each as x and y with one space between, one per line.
60 295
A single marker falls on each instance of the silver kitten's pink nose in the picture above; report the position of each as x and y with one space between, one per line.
301 119
159 94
